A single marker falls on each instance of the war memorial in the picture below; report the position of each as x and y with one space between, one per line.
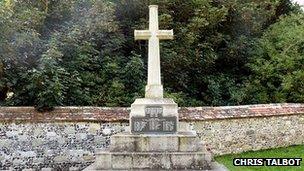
155 140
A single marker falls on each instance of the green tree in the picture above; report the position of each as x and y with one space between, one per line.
205 64
82 52
277 65
20 43
54 57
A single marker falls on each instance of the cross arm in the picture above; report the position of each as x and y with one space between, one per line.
165 34
142 34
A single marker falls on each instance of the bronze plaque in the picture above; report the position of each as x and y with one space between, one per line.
153 122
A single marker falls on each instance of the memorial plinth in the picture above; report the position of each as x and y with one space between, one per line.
154 116
156 141
178 151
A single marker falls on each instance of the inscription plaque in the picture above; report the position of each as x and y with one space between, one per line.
153 122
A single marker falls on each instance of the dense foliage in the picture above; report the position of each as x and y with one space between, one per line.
277 64
82 52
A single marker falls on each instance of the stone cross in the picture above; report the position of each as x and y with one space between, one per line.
154 88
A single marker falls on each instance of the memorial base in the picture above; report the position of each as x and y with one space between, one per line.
154 116
181 151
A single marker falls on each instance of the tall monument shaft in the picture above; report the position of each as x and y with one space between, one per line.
154 88
154 77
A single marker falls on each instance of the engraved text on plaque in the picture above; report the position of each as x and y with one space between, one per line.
153 122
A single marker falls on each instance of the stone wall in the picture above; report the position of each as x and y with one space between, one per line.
60 146
67 138
244 134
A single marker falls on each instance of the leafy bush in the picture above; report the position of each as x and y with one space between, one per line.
277 64
82 52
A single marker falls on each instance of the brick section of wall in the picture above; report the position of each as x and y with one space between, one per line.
243 111
65 114
119 114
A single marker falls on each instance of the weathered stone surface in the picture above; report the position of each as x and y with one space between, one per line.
103 161
123 143
39 160
12 133
182 161
70 129
252 130
37 142
190 144
74 169
159 143
89 157
93 128
169 106
81 136
60 159
42 145
156 160
22 138
141 143
154 88
151 160
99 139
38 132
121 161
121 114
169 110
244 134
28 154
5 143
18 162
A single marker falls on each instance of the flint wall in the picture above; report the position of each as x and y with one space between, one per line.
67 138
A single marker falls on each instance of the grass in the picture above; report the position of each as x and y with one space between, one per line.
286 152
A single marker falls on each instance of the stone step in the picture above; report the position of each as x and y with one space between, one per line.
180 142
157 160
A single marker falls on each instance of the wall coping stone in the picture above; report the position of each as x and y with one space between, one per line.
121 114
